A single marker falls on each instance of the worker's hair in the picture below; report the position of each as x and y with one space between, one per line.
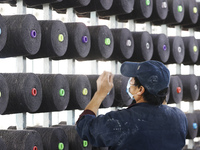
150 98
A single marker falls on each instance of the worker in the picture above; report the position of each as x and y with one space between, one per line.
145 125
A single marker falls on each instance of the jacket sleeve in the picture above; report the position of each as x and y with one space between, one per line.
102 131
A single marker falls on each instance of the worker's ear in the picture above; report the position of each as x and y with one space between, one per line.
141 90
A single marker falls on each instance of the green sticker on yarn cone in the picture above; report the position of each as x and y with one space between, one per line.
62 92
0 94
85 143
195 10
195 49
85 91
180 8
60 146
148 2
107 41
60 38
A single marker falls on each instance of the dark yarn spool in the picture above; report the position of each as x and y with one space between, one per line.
142 10
3 32
198 60
121 96
197 113
34 3
70 3
54 39
118 7
79 41
11 2
5 1
190 87
4 94
199 88
192 125
176 90
25 92
161 47
52 138
74 140
95 5
160 10
102 43
175 13
196 25
55 92
24 36
80 91
109 99
2 144
123 44
143 46
99 148
191 12
21 139
177 50
191 50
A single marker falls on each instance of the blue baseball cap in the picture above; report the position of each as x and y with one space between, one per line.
153 75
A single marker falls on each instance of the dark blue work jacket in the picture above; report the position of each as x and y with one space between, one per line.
140 127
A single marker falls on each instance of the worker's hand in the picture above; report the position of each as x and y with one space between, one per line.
105 83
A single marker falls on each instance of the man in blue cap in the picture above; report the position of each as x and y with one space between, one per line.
146 125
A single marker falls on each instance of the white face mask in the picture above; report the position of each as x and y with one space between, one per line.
128 88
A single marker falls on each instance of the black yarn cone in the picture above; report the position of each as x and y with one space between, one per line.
142 10
197 113
161 47
123 44
176 90
95 5
177 50
102 43
143 46
80 91
198 60
160 10
191 12
52 138
34 3
79 41
70 3
121 96
99 148
196 25
192 125
175 14
25 92
24 36
4 94
3 32
191 50
74 140
118 7
21 139
109 99
2 144
54 39
199 88
55 92
190 87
